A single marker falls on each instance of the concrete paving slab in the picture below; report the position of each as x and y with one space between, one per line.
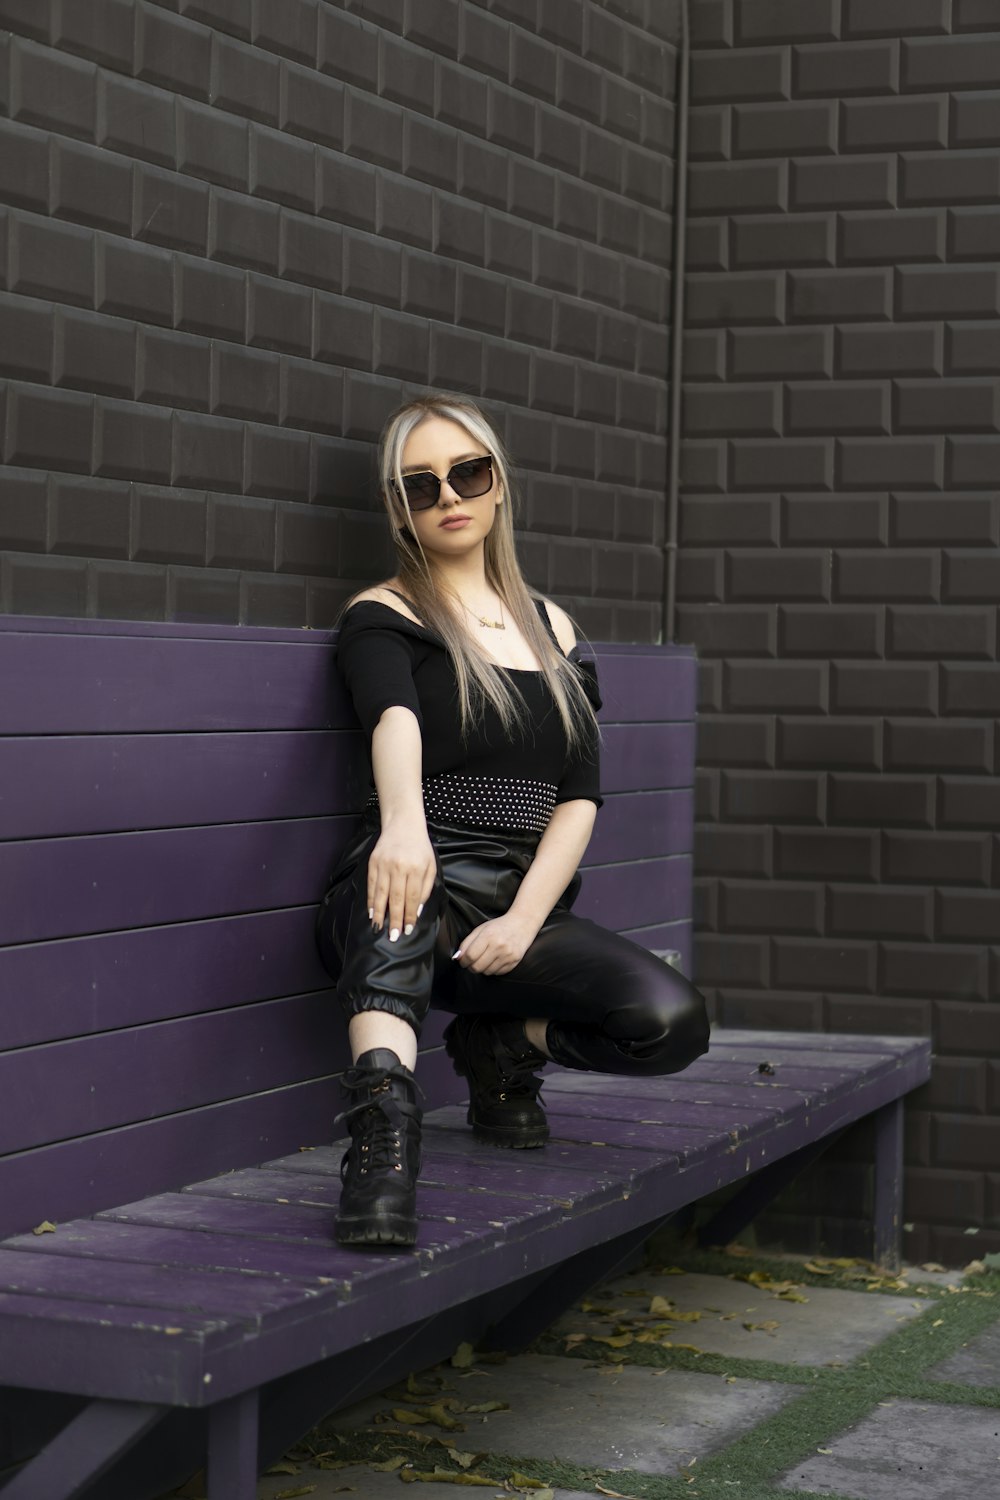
831 1328
908 1449
977 1364
613 1417
369 1485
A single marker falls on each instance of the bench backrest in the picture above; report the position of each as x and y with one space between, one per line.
172 799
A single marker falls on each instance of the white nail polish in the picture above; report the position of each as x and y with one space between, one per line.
407 929
420 908
371 913
457 953
394 934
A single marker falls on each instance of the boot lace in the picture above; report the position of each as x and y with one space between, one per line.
376 1122
517 1079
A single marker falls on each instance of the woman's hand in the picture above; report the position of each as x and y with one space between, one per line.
497 947
401 873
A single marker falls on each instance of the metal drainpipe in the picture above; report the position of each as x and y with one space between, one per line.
677 332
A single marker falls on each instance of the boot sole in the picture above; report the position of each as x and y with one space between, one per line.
512 1140
399 1233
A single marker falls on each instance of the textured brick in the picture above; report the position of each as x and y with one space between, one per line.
402 345
103 31
282 169
134 281
896 234
373 130
731 960
290 29
347 48
934 858
828 744
88 517
787 20
311 396
809 963
734 409
860 407
240 533
829 630
886 575
133 119
49 429
949 292
211 299
709 132
172 369
894 17
132 441
839 295
799 240
883 687
168 527
462 99
826 853
971 688
968 916
172 51
973 347
705 357
762 352
974 233
965 1027
23 510
26 336
889 912
925 520
311 251
749 73
230 16
276 463
952 405
199 596
707 244
969 802
430 152
962 633
244 232
207 451
776 686
771 906
46 585
749 519
952 746
845 68
312 106
866 462
53 90
748 297
976 119
51 260
767 129
888 124
279 316
89 187
858 520
373 270
245 80
171 210
973 461
885 351
733 851
345 190
907 801
953 62
948 177
852 182
24 168
799 463
725 187
727 630
769 797
266 600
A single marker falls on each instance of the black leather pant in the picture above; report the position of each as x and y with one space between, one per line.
611 1006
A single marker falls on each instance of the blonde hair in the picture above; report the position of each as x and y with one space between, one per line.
479 679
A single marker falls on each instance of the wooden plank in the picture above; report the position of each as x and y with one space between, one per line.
52 786
647 758
635 895
643 825
66 1089
75 986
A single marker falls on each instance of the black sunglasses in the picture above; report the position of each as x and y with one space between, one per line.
469 479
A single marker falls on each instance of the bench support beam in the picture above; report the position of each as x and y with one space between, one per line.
84 1450
232 1448
887 1212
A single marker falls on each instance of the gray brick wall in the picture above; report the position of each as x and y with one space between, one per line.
839 569
238 232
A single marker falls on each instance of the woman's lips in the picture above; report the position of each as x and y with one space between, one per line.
455 523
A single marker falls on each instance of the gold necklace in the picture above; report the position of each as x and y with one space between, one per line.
487 624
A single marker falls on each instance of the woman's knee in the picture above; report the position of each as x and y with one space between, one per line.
668 1025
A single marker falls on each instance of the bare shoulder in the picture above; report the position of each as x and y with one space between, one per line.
382 593
561 624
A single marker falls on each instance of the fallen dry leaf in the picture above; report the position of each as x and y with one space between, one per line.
45 1227
463 1357
443 1476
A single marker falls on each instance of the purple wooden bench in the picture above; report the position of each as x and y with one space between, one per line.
171 800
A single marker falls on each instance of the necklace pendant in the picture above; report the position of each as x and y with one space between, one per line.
492 624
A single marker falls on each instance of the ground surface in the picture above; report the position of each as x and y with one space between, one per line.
712 1375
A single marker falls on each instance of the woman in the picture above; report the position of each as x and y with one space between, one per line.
457 891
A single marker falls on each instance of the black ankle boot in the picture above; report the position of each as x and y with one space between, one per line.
380 1167
494 1054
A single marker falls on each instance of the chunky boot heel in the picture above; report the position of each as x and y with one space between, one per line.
380 1167
494 1054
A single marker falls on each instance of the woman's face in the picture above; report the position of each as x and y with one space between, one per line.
452 527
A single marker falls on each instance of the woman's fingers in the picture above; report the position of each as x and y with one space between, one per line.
397 890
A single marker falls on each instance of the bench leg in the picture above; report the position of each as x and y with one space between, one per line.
232 1448
888 1191
84 1451
762 1188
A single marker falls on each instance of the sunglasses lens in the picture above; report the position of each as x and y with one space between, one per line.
422 490
472 478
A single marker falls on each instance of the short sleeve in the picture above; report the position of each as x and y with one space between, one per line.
581 779
376 663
